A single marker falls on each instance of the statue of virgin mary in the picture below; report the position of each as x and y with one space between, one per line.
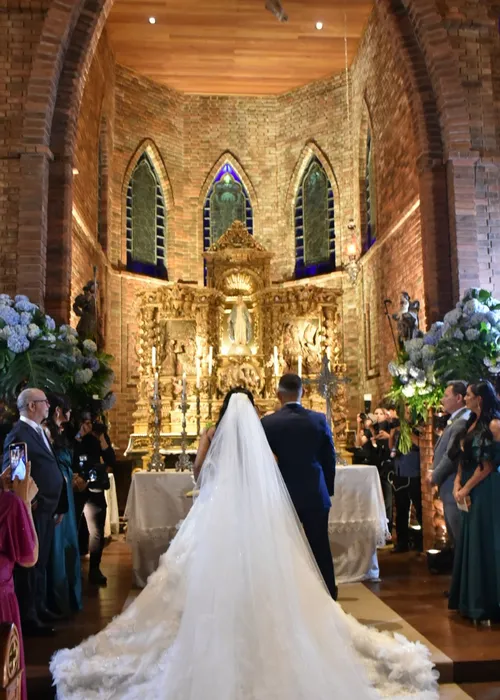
240 324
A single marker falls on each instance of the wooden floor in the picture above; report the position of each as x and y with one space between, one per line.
418 596
406 587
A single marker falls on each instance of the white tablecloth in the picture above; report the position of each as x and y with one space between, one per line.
156 503
358 524
112 525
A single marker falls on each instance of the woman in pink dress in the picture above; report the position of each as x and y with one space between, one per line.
18 545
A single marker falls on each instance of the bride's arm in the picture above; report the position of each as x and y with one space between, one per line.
205 440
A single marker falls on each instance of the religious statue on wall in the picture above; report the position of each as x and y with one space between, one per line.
407 319
240 324
85 307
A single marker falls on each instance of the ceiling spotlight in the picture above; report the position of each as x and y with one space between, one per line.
76 171
152 20
319 25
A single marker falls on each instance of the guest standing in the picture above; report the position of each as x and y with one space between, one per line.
407 491
475 585
64 580
89 450
18 545
51 504
446 456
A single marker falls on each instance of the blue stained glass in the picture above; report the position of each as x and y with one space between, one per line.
146 220
314 223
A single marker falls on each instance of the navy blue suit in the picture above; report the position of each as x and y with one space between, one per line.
51 500
302 442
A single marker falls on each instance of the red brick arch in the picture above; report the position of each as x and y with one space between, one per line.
69 38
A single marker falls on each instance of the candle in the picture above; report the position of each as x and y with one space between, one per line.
367 397
198 372
156 383
153 359
299 366
276 365
210 360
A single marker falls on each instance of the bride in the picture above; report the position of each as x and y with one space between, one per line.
237 609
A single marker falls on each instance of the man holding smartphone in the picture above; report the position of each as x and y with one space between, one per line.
49 505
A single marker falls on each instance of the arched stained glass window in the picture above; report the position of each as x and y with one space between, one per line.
370 205
314 223
227 201
146 221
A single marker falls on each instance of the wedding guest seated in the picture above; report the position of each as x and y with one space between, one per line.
475 585
64 586
18 545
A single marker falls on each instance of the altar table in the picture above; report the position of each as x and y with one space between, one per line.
357 524
156 503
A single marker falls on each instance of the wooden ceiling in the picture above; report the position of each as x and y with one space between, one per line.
235 47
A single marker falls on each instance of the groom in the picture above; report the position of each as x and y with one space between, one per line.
302 442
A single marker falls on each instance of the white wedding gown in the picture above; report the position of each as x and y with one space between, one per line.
237 609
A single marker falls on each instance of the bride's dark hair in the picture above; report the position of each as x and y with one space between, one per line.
227 398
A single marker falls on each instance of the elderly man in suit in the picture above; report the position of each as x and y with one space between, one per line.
445 464
48 507
302 443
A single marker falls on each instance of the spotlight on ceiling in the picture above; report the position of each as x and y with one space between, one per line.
152 20
76 171
319 26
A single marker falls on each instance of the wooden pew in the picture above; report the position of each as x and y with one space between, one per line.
10 663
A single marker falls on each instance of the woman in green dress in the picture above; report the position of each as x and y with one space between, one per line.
475 586
64 581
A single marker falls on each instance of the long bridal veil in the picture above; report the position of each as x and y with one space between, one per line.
237 609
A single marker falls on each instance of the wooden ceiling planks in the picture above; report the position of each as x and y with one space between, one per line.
235 47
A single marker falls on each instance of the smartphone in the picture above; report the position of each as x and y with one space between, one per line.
18 452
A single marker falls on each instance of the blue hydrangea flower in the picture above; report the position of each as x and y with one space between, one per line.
20 330
472 334
5 300
452 317
93 364
50 324
25 305
9 315
17 343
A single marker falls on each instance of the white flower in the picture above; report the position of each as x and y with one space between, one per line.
408 390
89 346
33 331
393 369
5 332
453 317
71 340
487 362
414 344
472 334
83 376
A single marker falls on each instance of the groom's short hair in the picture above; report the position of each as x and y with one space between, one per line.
290 384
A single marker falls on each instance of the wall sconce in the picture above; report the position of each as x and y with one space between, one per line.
352 264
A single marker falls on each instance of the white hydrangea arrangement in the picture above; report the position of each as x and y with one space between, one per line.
34 351
465 345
